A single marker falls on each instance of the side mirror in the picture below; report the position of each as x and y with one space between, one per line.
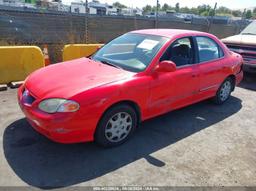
166 66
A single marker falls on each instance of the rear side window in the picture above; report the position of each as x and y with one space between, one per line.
208 49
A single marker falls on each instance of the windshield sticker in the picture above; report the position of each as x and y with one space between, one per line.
148 44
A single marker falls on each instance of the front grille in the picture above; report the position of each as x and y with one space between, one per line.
242 47
27 97
247 52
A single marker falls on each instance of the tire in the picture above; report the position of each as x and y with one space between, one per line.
224 91
116 126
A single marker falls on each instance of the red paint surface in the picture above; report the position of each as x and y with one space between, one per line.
96 87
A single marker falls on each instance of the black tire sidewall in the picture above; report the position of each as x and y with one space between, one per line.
218 98
100 130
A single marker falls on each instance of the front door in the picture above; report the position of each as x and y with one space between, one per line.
172 90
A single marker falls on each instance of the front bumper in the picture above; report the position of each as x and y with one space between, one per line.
59 127
249 67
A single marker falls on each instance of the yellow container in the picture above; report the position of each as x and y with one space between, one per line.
17 62
74 51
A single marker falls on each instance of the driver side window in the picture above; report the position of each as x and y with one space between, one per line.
180 52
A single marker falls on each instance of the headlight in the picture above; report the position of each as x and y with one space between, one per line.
58 105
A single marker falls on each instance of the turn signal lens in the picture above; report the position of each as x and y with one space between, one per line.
68 106
58 105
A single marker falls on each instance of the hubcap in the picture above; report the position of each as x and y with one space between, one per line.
118 127
225 90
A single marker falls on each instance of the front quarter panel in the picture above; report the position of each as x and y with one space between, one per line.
94 102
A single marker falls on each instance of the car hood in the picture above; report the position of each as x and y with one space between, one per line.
241 39
66 79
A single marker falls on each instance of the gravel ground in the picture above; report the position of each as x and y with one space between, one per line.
200 145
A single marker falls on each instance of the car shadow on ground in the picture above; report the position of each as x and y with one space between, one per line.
45 164
249 81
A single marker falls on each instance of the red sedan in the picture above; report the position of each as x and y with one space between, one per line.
137 76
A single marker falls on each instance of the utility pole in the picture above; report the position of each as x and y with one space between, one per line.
86 21
213 14
135 22
242 19
156 21
243 15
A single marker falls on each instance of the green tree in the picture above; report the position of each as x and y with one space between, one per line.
185 10
177 7
223 10
211 12
165 7
248 14
204 10
119 5
154 9
254 11
205 13
147 9
237 13
194 10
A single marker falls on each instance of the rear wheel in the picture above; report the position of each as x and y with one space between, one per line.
224 91
116 126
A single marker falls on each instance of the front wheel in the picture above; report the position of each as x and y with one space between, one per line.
224 91
116 126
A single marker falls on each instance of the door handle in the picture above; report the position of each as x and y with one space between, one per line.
195 75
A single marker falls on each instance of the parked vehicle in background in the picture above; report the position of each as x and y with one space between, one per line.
137 76
245 44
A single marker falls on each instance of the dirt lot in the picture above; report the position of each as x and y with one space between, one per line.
200 145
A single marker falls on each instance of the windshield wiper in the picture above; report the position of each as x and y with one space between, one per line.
248 33
110 64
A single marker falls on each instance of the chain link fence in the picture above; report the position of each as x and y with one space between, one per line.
37 27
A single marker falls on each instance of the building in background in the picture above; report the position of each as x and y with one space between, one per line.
13 3
94 7
111 10
58 6
131 11
78 7
19 3
101 9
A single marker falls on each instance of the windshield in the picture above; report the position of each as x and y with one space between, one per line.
250 29
131 51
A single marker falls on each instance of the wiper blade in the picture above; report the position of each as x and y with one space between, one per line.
110 64
249 33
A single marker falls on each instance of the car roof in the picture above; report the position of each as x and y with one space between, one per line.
170 33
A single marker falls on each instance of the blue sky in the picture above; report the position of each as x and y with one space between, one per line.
233 4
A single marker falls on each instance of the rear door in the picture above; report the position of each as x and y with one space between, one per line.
211 65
